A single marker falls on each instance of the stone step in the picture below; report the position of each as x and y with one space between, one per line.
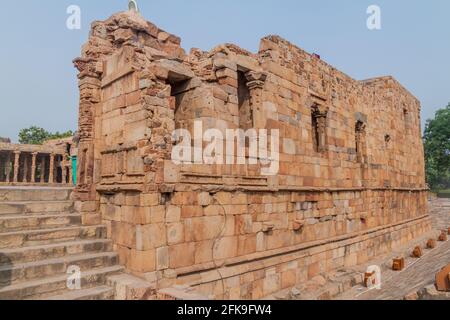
15 194
47 236
95 293
56 285
9 223
52 251
35 207
14 274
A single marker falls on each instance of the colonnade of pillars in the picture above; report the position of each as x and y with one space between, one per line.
34 167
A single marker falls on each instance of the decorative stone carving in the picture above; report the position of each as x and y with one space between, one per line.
319 114
255 79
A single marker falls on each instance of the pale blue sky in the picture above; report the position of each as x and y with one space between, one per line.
38 83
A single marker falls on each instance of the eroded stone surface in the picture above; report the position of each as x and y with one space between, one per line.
350 184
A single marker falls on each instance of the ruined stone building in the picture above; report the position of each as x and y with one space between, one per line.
350 183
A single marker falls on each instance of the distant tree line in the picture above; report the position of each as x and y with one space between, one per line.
437 150
37 135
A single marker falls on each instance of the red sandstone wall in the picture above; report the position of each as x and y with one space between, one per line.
174 224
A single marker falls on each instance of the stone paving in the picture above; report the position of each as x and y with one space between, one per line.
418 273
440 211
417 276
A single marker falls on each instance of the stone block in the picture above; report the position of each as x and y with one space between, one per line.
271 284
203 228
171 172
128 287
417 252
132 199
191 211
182 255
443 236
244 224
431 244
226 248
142 261
150 236
185 198
204 199
150 199
398 264
204 251
172 70
289 146
175 233
288 279
173 214
443 279
214 210
162 258
157 214
124 234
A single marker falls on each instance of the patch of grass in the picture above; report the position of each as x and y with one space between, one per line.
443 193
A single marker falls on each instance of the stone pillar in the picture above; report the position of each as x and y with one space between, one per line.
90 73
16 166
255 86
2 168
63 172
360 136
70 173
51 168
25 168
33 167
8 167
42 178
322 123
320 113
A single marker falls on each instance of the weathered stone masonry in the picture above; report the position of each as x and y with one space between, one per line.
350 185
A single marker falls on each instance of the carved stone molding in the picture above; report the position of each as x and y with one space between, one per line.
319 110
255 79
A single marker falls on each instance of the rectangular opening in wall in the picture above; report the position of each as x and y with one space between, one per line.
245 112
177 93
319 127
360 141
406 118
315 132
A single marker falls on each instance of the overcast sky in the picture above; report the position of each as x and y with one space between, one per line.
38 83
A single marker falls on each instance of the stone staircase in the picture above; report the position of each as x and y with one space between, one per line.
41 236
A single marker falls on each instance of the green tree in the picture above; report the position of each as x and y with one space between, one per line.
437 149
37 135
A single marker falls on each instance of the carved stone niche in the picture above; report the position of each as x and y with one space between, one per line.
256 79
250 92
319 113
360 139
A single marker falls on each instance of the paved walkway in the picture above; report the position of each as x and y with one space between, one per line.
419 273
440 212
